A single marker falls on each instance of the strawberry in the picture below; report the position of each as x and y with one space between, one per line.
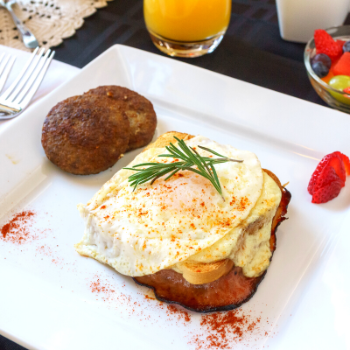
329 177
326 44
335 161
341 43
328 186
330 173
346 162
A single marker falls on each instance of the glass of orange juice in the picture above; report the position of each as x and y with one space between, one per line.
187 28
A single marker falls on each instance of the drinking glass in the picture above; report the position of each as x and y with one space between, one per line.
187 28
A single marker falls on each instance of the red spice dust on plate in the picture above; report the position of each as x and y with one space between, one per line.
223 329
18 229
21 229
46 250
106 292
219 330
181 314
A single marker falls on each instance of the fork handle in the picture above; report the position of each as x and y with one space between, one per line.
28 38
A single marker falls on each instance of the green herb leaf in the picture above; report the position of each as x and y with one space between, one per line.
145 172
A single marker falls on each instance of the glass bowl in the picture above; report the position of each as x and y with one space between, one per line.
333 97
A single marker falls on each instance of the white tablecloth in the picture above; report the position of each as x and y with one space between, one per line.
57 73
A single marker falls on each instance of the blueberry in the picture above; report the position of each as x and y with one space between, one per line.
346 47
321 64
320 69
321 57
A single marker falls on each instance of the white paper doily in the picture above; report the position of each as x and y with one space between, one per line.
50 21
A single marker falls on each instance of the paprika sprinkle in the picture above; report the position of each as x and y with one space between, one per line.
181 314
17 230
222 330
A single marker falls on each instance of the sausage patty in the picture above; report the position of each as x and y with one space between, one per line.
139 110
85 134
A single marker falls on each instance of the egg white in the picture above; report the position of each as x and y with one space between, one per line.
160 225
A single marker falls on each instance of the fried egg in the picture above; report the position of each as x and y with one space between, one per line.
162 225
248 244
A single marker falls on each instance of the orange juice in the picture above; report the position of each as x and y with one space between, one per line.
187 20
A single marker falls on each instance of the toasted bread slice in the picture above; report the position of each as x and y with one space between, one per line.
168 138
201 273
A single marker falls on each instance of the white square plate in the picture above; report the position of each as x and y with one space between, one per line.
47 295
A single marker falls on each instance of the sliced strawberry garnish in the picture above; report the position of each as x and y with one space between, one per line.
326 44
335 160
337 163
316 173
329 177
330 186
346 162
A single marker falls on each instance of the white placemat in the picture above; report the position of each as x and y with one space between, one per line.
57 73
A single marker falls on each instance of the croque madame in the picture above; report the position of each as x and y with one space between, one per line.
180 237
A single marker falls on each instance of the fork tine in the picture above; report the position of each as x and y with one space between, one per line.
19 77
26 76
33 76
23 94
5 70
33 85
4 61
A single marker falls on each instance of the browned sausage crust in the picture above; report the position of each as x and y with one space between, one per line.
138 109
85 134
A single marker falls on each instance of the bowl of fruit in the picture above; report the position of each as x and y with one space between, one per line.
327 61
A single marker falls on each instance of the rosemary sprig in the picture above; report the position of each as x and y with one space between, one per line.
190 158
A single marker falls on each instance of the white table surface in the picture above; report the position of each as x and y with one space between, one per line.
57 73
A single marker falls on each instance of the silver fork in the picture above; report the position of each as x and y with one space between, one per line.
28 38
21 91
6 63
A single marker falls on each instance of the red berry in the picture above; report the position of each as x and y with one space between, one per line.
342 67
336 163
329 177
331 173
347 90
341 43
332 185
346 162
326 44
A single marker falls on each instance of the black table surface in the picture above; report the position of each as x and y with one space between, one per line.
252 50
